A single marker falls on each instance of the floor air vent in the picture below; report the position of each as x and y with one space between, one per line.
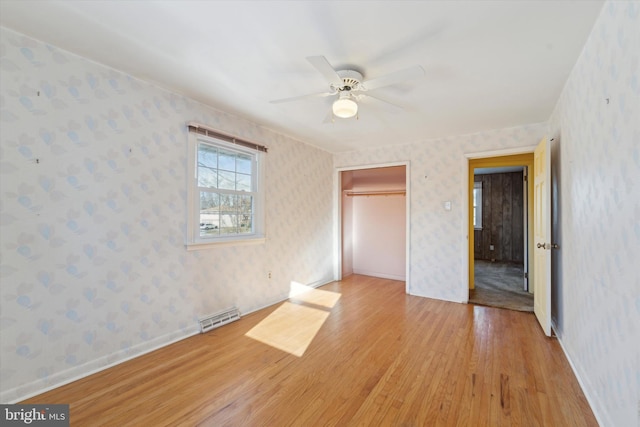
216 320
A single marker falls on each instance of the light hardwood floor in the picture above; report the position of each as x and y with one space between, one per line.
381 358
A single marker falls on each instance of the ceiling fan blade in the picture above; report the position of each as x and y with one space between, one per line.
322 65
394 78
301 97
386 104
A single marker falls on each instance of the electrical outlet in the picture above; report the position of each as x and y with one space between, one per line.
269 275
491 248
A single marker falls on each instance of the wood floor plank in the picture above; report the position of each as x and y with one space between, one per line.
381 357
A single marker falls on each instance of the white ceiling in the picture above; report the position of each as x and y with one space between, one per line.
488 64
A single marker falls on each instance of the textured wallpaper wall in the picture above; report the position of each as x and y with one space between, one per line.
92 207
437 168
596 125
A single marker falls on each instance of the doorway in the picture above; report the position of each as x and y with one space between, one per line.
374 221
500 227
499 245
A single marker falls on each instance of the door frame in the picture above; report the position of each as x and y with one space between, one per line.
509 157
337 194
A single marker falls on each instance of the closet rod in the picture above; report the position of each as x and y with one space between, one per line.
374 193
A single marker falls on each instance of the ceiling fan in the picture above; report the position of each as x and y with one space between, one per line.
348 86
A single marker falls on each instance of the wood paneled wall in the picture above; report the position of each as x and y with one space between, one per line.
502 218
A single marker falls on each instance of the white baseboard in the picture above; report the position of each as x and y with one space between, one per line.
59 379
437 297
282 298
584 385
380 275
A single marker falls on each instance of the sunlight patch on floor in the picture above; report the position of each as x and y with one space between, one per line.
314 296
290 328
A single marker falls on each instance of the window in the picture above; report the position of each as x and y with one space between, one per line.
477 205
225 193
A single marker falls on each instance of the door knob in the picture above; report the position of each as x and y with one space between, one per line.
547 246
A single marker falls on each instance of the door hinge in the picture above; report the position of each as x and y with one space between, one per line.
526 275
524 178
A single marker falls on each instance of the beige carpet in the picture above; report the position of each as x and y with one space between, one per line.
500 285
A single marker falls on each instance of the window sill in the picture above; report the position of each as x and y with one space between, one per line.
197 246
477 228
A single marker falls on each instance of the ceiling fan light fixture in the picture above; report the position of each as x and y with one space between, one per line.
345 107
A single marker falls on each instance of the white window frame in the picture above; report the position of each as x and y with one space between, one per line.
477 205
193 239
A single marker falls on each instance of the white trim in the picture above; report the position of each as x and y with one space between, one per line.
193 241
196 246
189 332
465 231
337 194
500 153
437 297
337 225
371 166
278 300
407 198
380 275
592 400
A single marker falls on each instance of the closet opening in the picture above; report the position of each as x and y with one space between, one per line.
373 222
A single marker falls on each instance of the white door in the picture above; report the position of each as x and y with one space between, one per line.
542 235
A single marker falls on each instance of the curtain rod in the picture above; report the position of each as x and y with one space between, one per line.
214 133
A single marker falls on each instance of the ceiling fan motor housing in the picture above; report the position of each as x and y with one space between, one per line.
351 80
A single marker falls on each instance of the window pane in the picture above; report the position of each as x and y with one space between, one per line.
227 202
224 169
226 180
209 214
244 224
477 205
243 182
245 202
207 155
243 164
207 165
245 217
228 214
227 161
207 177
245 205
